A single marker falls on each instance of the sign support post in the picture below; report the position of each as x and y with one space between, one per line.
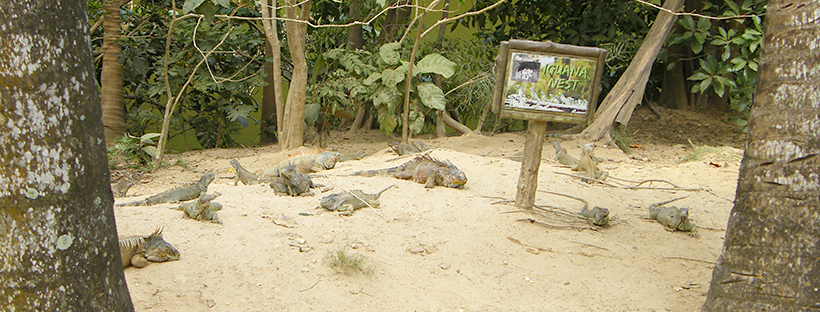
544 82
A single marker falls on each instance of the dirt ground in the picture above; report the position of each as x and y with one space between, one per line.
444 249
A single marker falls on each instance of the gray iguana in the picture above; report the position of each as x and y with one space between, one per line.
564 158
673 218
596 216
291 182
304 164
203 208
352 156
414 147
140 250
588 164
243 175
424 169
179 194
347 202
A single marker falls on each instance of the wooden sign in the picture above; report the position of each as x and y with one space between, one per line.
547 81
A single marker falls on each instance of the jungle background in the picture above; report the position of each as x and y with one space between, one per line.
219 90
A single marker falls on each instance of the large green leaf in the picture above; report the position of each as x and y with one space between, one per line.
387 121
431 96
436 64
389 53
191 5
383 96
390 77
372 78
416 122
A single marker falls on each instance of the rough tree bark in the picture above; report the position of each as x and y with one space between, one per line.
268 117
628 91
59 241
770 254
294 116
268 9
113 109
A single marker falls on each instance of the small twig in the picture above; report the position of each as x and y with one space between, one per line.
698 15
314 285
689 259
530 220
514 240
589 245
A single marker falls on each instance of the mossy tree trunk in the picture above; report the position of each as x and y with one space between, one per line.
770 254
59 241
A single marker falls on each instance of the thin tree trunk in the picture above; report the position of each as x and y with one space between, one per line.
628 91
441 130
294 124
770 254
113 109
271 31
268 117
355 39
59 243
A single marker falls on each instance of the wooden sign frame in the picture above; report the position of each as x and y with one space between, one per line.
547 81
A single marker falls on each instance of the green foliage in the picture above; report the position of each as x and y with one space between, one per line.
729 51
217 103
132 152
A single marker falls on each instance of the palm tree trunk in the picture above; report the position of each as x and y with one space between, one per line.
770 254
113 109
59 243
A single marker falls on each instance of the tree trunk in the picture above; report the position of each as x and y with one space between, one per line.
441 130
394 19
628 91
59 239
113 109
268 118
268 8
674 93
770 254
355 39
294 122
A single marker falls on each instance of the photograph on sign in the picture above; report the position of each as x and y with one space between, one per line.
545 82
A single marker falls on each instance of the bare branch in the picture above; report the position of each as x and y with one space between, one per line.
698 15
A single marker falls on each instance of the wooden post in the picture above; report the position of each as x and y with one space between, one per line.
528 180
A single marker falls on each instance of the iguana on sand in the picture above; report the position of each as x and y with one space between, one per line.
596 216
203 208
243 175
424 169
291 182
588 164
179 194
139 250
304 164
346 202
673 218
564 158
402 149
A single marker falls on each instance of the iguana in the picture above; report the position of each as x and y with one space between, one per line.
402 149
588 164
673 218
203 208
243 175
424 169
179 194
304 164
564 158
352 156
291 182
347 202
596 216
139 250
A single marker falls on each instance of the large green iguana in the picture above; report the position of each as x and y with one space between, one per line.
596 216
243 175
179 194
564 158
424 169
203 208
673 218
346 202
291 182
140 250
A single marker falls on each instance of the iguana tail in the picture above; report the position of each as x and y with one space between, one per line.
373 173
133 203
379 194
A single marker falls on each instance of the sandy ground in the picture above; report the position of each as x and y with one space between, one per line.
438 249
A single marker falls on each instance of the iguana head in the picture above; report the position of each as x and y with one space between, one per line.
328 159
452 177
600 216
207 178
157 249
